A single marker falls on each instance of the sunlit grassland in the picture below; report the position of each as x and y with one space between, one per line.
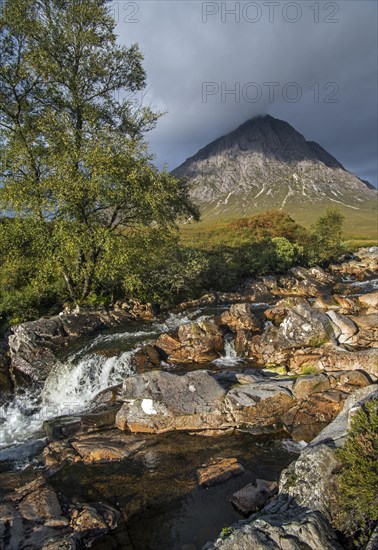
360 227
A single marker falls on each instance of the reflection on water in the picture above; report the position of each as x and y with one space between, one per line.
157 491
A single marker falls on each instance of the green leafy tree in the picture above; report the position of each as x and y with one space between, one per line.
74 163
325 242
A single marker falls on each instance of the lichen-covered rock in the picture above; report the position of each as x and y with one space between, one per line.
157 402
283 525
240 317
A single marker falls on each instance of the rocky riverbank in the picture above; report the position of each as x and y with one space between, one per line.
302 513
302 350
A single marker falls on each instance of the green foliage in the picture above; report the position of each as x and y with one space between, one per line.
324 243
226 532
268 225
73 158
358 480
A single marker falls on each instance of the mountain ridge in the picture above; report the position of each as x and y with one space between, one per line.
265 163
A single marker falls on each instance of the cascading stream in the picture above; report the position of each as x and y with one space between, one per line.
71 385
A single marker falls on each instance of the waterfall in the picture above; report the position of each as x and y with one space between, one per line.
71 385
230 357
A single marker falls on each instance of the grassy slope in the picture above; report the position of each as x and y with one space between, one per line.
360 226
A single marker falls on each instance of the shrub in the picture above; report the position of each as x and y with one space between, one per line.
357 481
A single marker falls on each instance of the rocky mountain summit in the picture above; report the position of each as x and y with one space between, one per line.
265 164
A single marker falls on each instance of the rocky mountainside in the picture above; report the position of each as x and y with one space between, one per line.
266 164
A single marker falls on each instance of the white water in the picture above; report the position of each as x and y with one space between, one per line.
230 357
71 386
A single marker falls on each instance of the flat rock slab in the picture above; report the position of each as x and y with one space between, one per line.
108 446
218 471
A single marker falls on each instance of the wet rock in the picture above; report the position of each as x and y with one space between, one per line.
93 520
62 427
12 531
159 401
242 342
33 344
344 328
67 426
58 453
199 342
40 505
109 395
5 376
108 446
146 358
218 471
253 496
239 317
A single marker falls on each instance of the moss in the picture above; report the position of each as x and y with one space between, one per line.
226 532
317 342
291 480
357 481
308 368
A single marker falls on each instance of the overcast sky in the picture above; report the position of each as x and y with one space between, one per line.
321 57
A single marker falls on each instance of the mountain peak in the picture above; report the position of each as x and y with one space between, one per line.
266 163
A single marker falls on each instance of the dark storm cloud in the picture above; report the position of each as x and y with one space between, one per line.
322 57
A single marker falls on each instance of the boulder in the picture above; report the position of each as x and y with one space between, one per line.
33 344
240 317
277 313
93 520
334 358
199 342
344 328
157 402
281 525
303 326
218 471
303 282
260 405
253 496
146 358
369 300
